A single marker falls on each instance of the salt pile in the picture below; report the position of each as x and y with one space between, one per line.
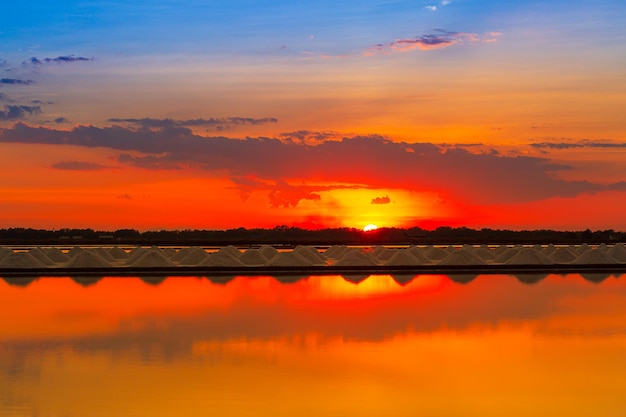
617 251
383 254
41 255
5 252
222 258
419 255
230 249
195 256
311 254
118 253
485 254
253 257
462 257
594 256
436 254
404 257
334 252
583 248
21 260
75 250
355 257
181 254
56 255
105 254
87 258
529 256
504 256
549 250
563 256
289 259
268 251
150 259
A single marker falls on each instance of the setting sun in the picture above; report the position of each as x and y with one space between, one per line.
370 227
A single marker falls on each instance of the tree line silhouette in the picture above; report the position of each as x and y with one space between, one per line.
291 236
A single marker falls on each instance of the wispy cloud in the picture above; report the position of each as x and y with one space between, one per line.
15 81
59 60
18 112
217 123
437 40
79 166
585 143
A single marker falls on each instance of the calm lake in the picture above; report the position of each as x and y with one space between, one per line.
491 345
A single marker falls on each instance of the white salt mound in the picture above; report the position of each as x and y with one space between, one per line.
310 253
507 254
420 255
105 254
232 250
253 257
563 255
462 257
289 259
150 259
594 256
268 251
384 254
5 252
356 258
529 256
617 251
195 256
485 254
21 260
403 257
221 258
548 250
181 254
87 258
436 254
56 255
75 250
41 255
334 252
118 253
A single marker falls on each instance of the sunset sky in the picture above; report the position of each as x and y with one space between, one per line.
226 114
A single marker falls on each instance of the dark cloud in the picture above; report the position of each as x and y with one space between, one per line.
18 112
281 193
372 162
61 120
149 123
310 136
78 166
15 81
40 102
60 59
124 197
580 144
381 200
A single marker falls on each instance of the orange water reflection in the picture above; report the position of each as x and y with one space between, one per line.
317 346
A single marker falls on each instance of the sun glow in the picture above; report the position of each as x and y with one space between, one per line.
370 227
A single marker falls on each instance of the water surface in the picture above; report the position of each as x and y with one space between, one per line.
490 345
